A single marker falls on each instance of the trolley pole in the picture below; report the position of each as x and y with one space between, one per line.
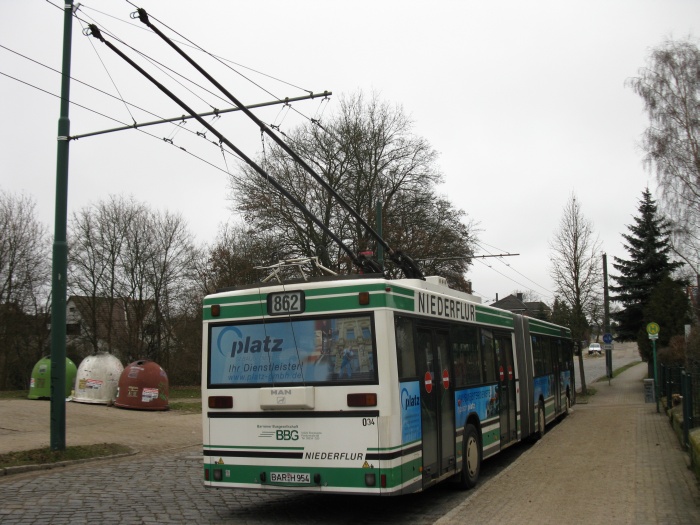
380 248
60 250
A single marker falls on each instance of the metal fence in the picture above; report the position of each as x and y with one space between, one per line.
677 380
670 382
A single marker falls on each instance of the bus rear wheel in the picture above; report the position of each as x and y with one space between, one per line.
471 457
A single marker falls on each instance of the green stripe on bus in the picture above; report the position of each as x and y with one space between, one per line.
331 477
340 298
340 290
488 438
494 317
238 311
538 327
317 300
251 448
346 302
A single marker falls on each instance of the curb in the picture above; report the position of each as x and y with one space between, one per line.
8 471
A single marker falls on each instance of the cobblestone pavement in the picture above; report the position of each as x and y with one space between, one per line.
167 488
614 460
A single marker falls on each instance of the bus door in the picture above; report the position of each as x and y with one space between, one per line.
506 387
437 403
558 368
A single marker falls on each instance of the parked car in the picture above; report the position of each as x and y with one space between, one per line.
594 348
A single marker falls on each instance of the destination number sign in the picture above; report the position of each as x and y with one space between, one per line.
285 303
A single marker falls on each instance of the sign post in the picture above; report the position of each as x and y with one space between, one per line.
607 346
653 331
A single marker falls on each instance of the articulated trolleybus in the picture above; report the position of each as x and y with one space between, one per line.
363 385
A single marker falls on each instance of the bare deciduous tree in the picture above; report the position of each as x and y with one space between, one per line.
24 282
367 154
131 268
98 234
171 269
670 87
231 261
576 271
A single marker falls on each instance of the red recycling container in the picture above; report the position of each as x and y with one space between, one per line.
143 385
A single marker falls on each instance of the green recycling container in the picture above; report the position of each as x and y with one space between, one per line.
40 383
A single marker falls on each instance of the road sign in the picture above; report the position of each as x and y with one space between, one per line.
653 336
653 329
428 382
445 379
607 346
607 338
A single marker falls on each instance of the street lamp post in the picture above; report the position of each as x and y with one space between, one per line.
60 251
653 331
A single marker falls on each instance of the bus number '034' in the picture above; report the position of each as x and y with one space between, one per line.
286 303
367 421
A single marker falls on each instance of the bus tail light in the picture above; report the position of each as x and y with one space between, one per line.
220 402
362 400
215 310
363 298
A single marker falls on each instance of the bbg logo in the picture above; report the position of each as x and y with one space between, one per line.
287 435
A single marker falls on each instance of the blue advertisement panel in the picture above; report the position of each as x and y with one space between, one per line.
298 351
564 381
543 386
483 400
411 429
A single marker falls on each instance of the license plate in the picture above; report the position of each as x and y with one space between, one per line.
290 477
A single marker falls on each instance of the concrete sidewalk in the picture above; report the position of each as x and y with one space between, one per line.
613 460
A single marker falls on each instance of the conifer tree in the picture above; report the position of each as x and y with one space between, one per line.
670 309
561 312
649 263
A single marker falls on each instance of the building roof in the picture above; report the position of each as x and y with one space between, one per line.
515 304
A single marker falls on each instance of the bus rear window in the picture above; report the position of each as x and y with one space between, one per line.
335 350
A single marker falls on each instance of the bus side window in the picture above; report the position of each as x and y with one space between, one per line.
466 355
547 355
404 348
537 356
489 358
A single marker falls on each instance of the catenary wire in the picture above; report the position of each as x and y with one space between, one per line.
223 62
481 244
162 139
177 125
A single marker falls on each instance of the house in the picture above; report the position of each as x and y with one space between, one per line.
515 304
122 326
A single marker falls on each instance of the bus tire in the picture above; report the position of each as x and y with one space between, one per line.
541 421
471 457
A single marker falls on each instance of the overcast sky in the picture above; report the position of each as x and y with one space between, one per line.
525 102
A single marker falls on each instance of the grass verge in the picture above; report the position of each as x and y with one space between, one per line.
581 399
185 392
178 392
623 368
41 456
186 406
14 394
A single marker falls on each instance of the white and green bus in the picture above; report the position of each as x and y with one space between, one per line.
365 385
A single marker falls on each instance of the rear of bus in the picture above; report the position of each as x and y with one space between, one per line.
290 390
